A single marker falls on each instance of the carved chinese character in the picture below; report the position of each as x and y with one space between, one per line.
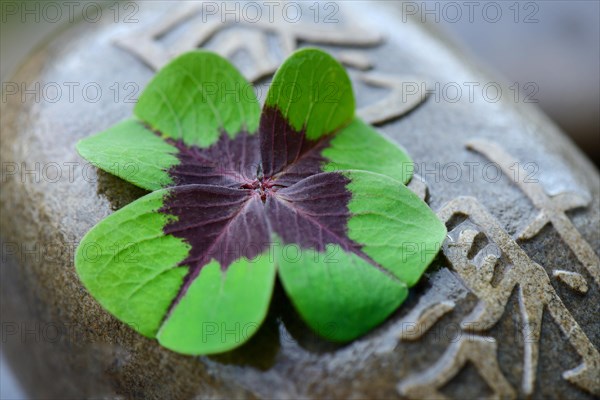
234 34
535 294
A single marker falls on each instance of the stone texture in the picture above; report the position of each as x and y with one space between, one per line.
62 344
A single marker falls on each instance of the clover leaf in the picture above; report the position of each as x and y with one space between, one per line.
304 190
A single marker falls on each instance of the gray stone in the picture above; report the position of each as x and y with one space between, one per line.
501 311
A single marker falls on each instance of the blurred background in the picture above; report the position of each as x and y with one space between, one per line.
549 50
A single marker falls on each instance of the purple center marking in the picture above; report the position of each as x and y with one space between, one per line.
232 197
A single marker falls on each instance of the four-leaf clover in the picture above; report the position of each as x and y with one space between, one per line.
304 191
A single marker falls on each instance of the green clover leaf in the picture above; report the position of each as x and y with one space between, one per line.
235 191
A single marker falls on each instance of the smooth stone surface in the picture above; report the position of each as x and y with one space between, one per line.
62 344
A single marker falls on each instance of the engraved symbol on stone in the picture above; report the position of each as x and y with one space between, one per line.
428 317
572 279
492 275
254 39
397 103
480 351
552 209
